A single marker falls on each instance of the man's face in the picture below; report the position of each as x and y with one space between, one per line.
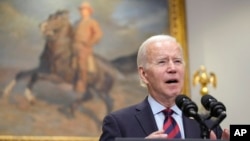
85 12
164 72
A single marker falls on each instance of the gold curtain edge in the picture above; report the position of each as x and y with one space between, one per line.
177 28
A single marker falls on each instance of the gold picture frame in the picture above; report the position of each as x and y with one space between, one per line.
177 22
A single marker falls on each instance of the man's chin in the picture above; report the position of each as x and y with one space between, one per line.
174 93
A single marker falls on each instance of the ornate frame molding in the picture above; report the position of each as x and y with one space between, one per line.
177 20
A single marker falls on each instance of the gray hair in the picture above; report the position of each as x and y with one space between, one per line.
142 57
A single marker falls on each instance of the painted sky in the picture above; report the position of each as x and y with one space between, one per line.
125 24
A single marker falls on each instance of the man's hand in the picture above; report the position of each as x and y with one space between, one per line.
157 134
225 135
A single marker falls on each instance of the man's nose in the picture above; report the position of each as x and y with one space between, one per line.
171 66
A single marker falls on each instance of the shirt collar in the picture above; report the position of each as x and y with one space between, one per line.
157 107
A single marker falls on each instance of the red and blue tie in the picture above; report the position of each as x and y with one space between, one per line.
170 125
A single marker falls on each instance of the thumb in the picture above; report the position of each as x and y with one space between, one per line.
212 136
226 134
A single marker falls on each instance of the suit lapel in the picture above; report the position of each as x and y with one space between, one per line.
145 117
191 128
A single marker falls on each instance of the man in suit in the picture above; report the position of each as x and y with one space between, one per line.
161 68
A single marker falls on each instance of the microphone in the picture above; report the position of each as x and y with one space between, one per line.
215 107
188 107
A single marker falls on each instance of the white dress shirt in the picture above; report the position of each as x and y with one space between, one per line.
160 117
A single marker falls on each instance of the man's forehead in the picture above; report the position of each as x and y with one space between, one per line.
168 46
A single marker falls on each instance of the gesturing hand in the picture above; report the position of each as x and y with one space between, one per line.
225 135
157 134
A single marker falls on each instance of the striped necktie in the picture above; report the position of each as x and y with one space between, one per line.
170 125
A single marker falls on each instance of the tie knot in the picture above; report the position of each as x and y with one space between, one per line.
168 112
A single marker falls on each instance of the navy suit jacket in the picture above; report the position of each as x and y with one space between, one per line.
137 121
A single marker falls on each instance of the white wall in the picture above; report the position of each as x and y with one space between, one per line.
219 38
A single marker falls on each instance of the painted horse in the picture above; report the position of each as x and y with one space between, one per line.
57 64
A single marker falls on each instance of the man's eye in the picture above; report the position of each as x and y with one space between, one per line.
178 61
162 62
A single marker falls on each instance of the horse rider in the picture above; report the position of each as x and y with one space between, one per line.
86 34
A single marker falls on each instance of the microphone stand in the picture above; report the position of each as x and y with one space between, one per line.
190 109
221 117
205 131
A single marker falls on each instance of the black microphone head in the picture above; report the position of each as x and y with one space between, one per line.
211 104
181 100
188 107
206 101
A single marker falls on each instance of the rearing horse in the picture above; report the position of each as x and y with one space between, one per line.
57 64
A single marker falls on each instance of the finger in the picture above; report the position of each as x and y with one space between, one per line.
213 136
225 134
157 134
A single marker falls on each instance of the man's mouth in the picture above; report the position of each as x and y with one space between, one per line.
171 81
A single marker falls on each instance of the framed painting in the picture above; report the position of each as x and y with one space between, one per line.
40 97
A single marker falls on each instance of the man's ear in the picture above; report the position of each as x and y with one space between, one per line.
143 75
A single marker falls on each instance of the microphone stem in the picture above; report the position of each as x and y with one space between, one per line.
204 132
204 129
221 117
